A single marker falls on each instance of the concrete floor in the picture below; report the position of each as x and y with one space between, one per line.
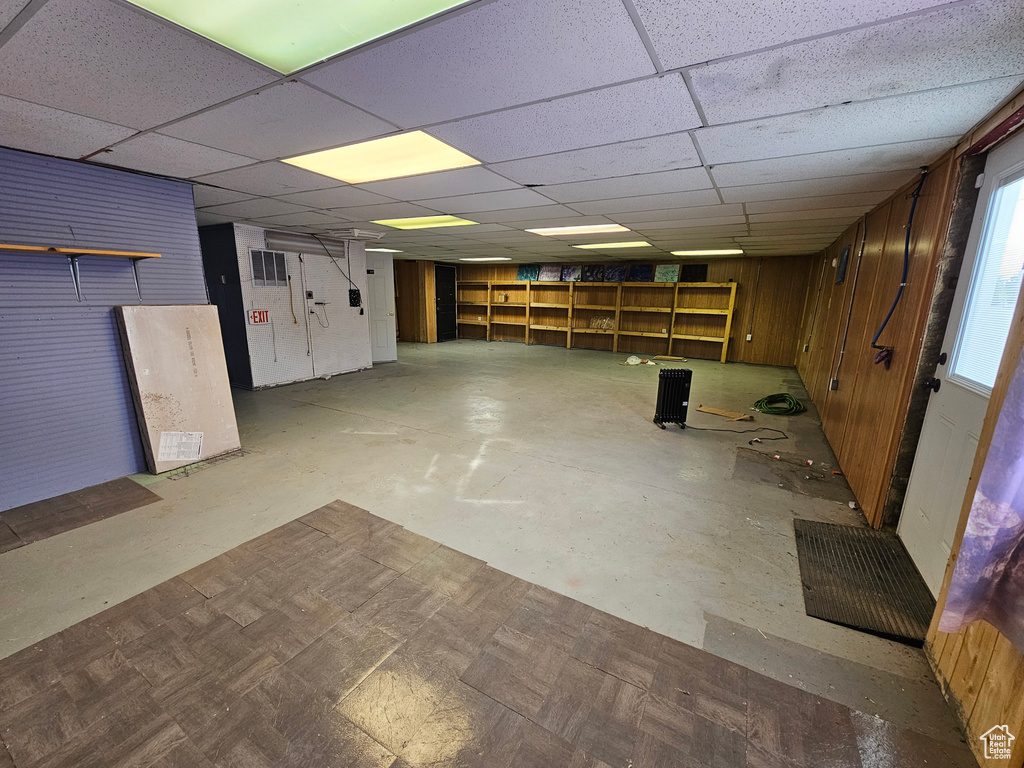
541 461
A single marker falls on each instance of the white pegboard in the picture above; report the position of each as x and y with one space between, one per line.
279 350
284 351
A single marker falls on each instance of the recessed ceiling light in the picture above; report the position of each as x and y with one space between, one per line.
293 35
602 246
587 229
720 252
382 250
406 154
486 258
425 222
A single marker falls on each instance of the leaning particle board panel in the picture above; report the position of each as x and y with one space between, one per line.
179 380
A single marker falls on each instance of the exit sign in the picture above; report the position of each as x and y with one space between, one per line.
259 316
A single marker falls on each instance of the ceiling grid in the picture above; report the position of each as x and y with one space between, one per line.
765 125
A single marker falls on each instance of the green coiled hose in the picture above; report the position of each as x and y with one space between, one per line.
780 404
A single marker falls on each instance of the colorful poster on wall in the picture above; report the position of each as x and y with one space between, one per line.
988 582
571 274
550 273
528 272
666 273
593 273
615 273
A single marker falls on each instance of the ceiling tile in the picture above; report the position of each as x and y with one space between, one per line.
657 153
337 197
488 201
858 199
36 128
573 221
820 213
646 184
951 46
647 226
104 60
280 121
648 202
691 33
619 113
491 57
269 179
912 117
254 209
727 230
886 157
384 211
462 181
206 196
538 214
678 214
303 219
9 10
867 182
154 153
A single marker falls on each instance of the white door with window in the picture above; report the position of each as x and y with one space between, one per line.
986 296
380 278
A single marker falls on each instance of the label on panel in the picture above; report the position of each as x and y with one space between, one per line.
180 446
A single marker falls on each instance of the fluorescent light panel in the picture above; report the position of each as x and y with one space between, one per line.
603 246
382 250
390 157
719 252
425 222
486 258
290 36
586 229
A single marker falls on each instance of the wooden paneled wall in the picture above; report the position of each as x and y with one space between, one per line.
863 405
414 301
981 672
768 306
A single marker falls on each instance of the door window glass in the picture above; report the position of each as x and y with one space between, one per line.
994 288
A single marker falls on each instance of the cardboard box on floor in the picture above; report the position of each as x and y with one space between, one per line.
179 381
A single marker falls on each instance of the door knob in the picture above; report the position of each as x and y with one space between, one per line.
931 383
942 359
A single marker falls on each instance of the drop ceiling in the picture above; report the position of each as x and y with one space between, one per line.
759 124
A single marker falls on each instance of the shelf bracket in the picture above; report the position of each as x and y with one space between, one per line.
135 274
75 276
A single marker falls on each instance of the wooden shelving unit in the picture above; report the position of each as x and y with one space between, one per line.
693 319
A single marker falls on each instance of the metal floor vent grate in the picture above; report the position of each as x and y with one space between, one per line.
863 579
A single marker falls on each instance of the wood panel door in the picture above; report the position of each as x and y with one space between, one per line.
975 336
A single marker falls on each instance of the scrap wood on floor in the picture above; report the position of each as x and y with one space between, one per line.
730 415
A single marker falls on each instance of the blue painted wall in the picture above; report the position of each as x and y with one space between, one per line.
66 414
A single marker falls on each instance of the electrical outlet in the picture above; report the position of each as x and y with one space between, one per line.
833 384
750 337
664 330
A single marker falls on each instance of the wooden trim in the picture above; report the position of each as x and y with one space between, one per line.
78 251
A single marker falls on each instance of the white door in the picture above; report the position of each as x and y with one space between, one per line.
380 277
985 298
